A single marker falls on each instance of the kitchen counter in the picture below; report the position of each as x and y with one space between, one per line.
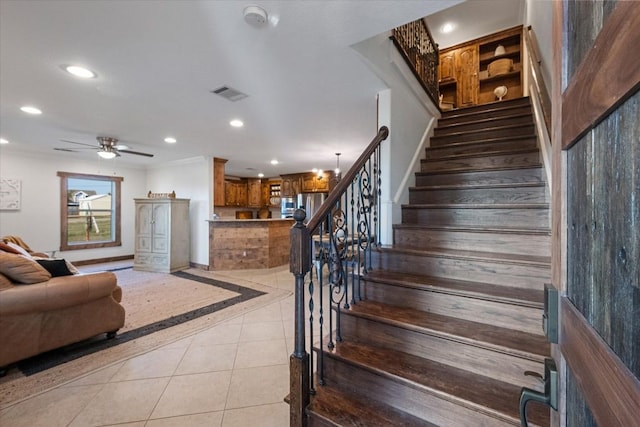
236 244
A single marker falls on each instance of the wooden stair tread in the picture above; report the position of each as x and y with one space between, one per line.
494 106
483 120
544 261
477 169
342 409
509 341
480 131
496 153
488 291
501 230
466 388
481 141
477 206
523 184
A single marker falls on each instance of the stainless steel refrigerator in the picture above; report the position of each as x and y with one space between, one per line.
310 202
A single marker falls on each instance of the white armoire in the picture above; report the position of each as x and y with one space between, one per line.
162 235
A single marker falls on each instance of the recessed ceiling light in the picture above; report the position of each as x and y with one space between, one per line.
170 140
3 141
30 110
260 175
447 28
274 162
236 123
314 170
83 73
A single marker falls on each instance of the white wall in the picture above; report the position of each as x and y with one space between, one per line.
409 113
190 179
539 15
38 220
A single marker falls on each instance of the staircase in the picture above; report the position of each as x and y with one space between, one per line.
451 315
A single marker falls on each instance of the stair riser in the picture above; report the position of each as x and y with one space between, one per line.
481 177
521 244
525 319
493 108
483 134
477 148
504 367
446 120
515 218
481 195
506 274
429 406
443 130
520 160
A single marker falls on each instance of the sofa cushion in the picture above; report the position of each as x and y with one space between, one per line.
56 267
21 269
5 283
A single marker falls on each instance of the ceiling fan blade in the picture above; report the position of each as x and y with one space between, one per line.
79 143
67 150
138 153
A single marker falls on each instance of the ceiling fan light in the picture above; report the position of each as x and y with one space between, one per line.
106 154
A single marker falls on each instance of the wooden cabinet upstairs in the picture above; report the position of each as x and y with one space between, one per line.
471 71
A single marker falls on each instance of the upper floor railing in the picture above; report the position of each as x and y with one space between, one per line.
329 254
416 45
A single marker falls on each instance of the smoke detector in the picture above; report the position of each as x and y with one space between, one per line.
255 15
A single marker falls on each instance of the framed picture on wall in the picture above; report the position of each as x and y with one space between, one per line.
10 192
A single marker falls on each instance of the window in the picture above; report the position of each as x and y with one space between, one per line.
89 211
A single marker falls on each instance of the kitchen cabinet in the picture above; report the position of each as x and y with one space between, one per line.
271 193
162 231
235 193
311 183
290 185
254 193
463 74
218 182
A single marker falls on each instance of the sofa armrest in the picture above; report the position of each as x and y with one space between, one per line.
56 293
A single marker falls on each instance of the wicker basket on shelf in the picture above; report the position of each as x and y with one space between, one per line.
500 66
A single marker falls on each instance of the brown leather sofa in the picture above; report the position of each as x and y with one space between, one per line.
42 316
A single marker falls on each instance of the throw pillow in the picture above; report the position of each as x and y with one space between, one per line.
56 267
21 269
7 248
18 249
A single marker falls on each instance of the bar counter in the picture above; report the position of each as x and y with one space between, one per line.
237 244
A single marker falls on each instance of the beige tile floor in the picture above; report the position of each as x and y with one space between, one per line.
233 374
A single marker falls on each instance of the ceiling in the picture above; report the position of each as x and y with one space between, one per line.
310 94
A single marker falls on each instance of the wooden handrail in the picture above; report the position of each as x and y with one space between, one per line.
541 88
346 180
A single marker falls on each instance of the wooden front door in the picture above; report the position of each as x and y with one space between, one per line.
596 216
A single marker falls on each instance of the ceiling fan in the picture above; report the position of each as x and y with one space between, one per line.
108 147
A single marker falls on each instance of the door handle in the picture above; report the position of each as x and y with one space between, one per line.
550 395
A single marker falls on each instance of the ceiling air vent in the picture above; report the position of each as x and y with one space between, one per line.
229 93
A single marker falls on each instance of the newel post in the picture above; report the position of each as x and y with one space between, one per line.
299 374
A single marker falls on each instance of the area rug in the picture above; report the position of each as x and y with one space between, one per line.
161 308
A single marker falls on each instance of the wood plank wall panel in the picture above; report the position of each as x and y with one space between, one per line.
603 277
585 20
580 415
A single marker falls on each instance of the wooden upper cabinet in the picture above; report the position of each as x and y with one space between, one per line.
447 68
290 185
254 193
464 79
218 182
236 193
311 183
468 76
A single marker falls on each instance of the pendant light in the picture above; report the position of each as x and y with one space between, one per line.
337 170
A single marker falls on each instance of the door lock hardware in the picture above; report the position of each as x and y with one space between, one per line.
550 315
550 395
